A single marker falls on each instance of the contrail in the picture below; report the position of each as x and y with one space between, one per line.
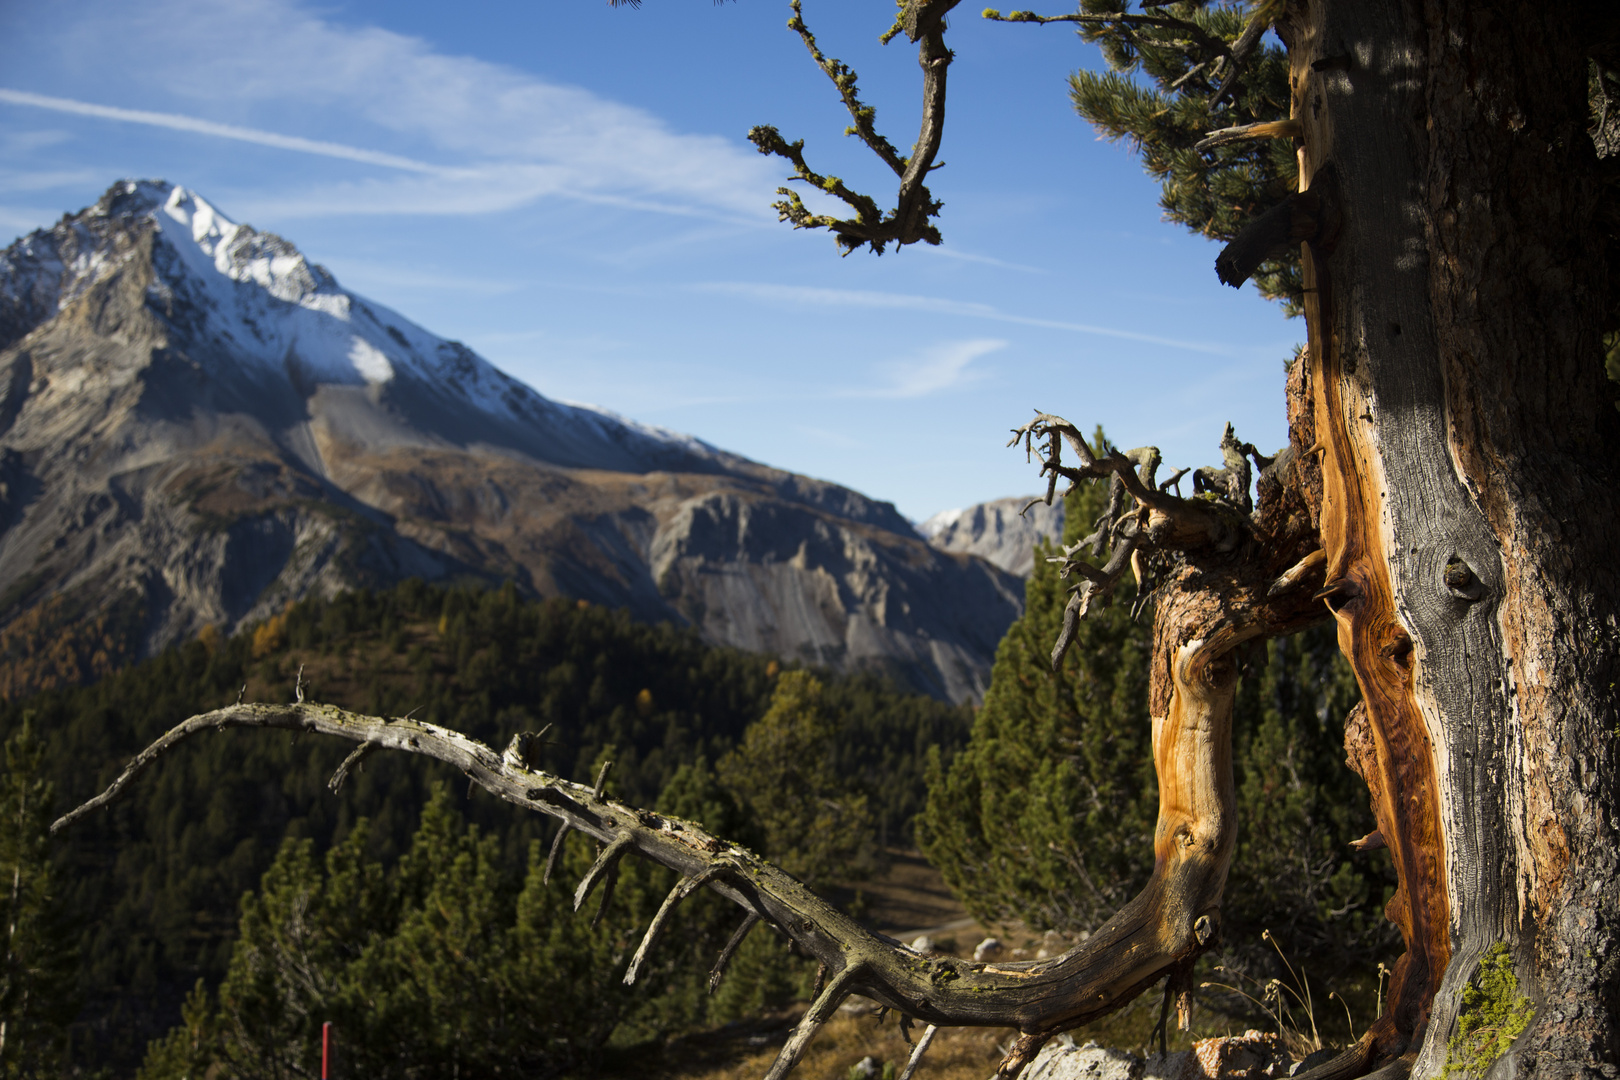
809 294
222 131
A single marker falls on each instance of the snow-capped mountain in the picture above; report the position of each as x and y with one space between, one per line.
198 426
275 317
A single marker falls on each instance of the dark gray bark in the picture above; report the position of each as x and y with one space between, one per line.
1468 502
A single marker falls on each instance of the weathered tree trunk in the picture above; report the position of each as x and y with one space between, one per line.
1468 510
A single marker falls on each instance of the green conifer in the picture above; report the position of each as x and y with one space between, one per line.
815 821
38 962
1048 814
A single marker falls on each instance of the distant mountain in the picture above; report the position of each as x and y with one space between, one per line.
995 531
198 426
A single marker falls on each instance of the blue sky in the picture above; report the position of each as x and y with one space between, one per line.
567 188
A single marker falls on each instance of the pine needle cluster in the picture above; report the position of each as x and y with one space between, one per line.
1170 83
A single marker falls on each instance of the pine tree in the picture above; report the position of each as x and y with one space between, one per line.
1056 783
815 822
1163 93
37 967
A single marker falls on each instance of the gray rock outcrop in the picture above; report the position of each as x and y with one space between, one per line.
997 532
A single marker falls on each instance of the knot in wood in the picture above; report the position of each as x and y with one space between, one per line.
1397 647
1219 671
1203 929
1458 576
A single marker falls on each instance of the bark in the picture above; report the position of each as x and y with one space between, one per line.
1468 508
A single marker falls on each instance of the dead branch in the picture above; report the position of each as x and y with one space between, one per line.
1171 920
911 220
1302 217
718 972
918 1051
1141 515
1270 129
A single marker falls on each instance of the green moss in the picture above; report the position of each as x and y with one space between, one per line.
1494 1013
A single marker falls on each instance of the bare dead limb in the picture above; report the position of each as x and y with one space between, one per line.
918 1051
655 929
348 764
723 961
1271 129
923 22
1307 216
819 1012
605 870
556 849
1170 921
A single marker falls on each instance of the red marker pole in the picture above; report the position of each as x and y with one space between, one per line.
326 1047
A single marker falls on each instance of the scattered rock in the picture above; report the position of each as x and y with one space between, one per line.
1181 1065
988 949
1254 1055
1250 1056
1061 1059
923 945
865 1069
1052 944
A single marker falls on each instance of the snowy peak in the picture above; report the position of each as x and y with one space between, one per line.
239 252
246 304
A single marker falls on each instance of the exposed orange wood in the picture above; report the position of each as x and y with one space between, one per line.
1398 761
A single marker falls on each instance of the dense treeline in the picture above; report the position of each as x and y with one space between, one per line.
156 881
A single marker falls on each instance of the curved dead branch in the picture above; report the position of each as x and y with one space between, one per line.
1174 918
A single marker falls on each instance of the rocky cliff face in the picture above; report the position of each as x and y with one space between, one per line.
197 427
997 532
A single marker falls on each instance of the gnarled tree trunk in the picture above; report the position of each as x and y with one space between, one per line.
1455 290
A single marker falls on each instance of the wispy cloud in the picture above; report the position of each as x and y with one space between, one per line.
366 274
455 134
945 252
223 131
839 439
934 370
815 296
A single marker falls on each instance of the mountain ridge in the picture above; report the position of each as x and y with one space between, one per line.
194 415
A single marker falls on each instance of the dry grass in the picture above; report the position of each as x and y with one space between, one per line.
744 1052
